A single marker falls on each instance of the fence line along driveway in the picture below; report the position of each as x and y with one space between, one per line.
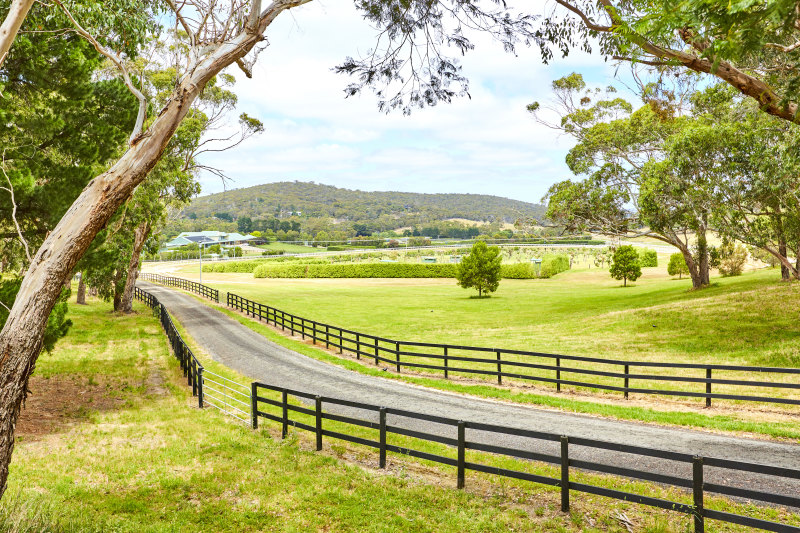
242 349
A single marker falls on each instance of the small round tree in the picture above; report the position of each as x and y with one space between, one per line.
677 265
480 269
625 265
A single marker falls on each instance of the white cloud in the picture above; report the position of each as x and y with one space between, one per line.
486 144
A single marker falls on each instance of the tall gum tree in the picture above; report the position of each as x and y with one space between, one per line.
221 34
615 145
749 45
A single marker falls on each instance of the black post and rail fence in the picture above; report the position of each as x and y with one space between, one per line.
181 283
518 364
613 375
348 420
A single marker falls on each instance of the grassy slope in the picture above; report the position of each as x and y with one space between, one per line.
749 319
130 469
744 320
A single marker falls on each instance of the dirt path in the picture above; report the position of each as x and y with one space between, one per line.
242 349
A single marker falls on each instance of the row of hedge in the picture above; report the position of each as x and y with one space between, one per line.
551 265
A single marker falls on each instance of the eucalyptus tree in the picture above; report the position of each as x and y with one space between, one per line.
750 45
757 180
409 67
616 150
17 11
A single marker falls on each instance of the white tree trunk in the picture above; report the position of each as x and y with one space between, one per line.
139 237
10 27
21 336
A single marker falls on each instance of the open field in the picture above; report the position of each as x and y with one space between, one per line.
109 452
747 320
750 319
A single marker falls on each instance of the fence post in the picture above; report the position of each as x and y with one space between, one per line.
558 374
462 448
445 362
382 423
358 346
376 350
627 381
397 355
499 369
708 387
200 387
697 492
318 402
313 332
285 420
254 404
564 474
303 328
193 376
341 341
327 337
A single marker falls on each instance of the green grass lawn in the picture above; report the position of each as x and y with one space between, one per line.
747 320
129 451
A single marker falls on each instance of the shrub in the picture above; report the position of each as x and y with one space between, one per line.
625 265
648 258
336 248
732 263
231 266
360 270
677 265
517 271
553 264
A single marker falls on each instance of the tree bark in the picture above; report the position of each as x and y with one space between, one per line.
117 290
11 24
782 250
21 336
691 264
702 258
139 237
797 260
81 297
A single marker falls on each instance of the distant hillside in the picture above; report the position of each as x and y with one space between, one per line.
284 199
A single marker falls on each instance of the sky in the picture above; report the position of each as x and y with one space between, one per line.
486 144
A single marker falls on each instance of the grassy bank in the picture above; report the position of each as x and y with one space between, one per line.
747 320
110 440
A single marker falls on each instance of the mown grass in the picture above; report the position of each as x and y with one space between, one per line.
658 412
747 320
157 463
160 464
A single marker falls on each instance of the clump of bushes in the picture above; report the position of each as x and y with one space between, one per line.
378 270
362 270
553 264
517 271
232 266
677 265
648 258
732 263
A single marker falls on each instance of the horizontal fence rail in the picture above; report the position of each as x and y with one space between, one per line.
190 366
464 436
181 283
519 364
308 412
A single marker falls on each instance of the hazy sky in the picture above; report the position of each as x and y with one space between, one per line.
488 144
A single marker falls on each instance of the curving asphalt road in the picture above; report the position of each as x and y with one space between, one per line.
240 348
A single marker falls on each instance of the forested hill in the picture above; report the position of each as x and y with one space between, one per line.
285 199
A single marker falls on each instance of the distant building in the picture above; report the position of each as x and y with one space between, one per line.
209 238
